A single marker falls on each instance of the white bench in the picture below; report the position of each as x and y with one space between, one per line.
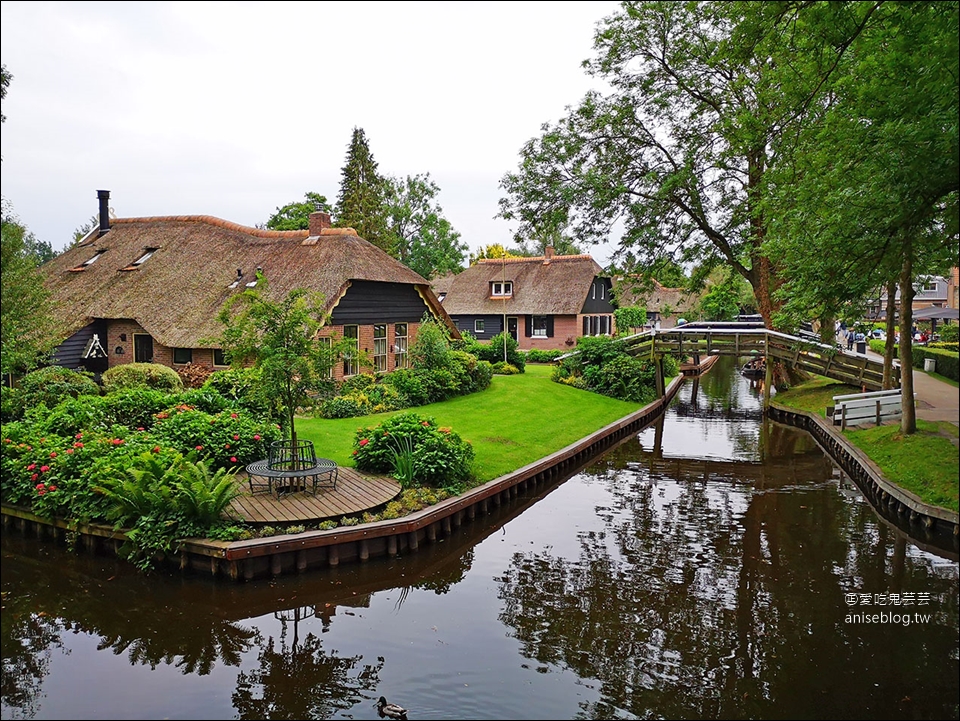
876 406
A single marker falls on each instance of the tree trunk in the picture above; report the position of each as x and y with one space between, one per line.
908 422
889 377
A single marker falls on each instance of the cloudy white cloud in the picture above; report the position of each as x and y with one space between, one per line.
234 109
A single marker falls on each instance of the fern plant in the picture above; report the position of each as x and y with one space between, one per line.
202 496
146 489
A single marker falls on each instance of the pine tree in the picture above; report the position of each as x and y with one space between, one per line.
360 204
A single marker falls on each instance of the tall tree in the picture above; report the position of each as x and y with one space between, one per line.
488 252
421 238
361 202
26 325
296 215
676 152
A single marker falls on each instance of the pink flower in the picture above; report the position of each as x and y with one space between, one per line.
118 441
234 415
69 451
78 436
236 437
44 469
233 459
364 441
256 437
7 440
141 428
199 448
78 444
31 466
53 455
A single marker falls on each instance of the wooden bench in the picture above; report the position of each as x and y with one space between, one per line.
876 406
291 469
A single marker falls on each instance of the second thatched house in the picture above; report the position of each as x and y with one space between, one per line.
544 302
150 289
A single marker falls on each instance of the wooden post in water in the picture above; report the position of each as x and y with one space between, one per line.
768 372
661 383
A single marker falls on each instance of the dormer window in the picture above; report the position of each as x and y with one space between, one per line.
501 289
145 257
85 264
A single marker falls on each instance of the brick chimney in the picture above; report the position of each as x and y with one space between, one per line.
547 255
104 197
318 221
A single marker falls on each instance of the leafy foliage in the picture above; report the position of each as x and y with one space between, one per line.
361 200
440 457
52 384
141 375
630 317
296 216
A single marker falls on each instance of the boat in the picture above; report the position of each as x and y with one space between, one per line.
755 368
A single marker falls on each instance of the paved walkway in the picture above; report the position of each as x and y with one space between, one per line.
936 400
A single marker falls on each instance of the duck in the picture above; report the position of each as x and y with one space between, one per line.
390 710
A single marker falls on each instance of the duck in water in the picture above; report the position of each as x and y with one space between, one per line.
390 710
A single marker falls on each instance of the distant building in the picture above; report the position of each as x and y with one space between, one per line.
665 306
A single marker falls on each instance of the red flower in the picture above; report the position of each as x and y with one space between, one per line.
44 469
234 415
118 441
53 455
34 477
199 448
364 441
236 437
7 440
69 451
31 466
141 428
233 459
226 445
78 436
156 449
41 486
212 421
354 453
41 492
425 424
52 488
256 437
78 444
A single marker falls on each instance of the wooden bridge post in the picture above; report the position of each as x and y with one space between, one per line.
661 384
768 371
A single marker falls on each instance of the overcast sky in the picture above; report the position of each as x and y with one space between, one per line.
234 109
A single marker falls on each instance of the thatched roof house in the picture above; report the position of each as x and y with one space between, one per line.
151 288
546 302
664 305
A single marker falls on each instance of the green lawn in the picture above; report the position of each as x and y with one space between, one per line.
925 463
517 420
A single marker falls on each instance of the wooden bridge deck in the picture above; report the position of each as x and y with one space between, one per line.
355 493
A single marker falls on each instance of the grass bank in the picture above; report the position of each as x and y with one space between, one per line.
517 420
925 463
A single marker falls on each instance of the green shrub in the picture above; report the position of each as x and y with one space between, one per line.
493 350
950 333
243 387
345 407
409 384
945 345
11 403
948 363
134 407
145 375
504 369
440 457
53 384
224 440
207 399
536 355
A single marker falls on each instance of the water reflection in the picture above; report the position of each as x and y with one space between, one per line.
710 567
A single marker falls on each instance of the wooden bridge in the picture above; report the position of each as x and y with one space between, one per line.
752 340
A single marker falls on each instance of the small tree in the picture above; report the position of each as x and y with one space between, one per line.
630 317
280 338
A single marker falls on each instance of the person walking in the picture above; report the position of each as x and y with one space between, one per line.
850 338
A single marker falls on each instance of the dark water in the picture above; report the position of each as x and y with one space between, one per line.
705 569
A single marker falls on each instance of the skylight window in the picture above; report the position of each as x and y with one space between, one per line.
145 257
93 259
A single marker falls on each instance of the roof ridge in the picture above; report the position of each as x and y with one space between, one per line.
535 258
219 222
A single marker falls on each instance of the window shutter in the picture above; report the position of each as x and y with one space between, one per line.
586 325
549 326
527 323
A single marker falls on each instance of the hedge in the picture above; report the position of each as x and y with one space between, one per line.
948 362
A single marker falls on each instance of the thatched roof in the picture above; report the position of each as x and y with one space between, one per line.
541 286
176 294
653 296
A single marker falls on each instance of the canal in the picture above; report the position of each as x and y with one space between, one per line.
713 566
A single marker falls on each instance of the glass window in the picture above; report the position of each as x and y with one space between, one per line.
219 359
380 348
502 289
400 345
145 257
183 355
351 333
478 325
539 326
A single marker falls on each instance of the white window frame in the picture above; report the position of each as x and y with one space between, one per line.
501 289
400 345
380 348
535 331
479 325
350 365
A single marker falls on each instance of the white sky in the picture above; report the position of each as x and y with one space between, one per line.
234 109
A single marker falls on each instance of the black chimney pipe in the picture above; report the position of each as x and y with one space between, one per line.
104 196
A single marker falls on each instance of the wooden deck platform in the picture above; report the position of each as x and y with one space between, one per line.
355 493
